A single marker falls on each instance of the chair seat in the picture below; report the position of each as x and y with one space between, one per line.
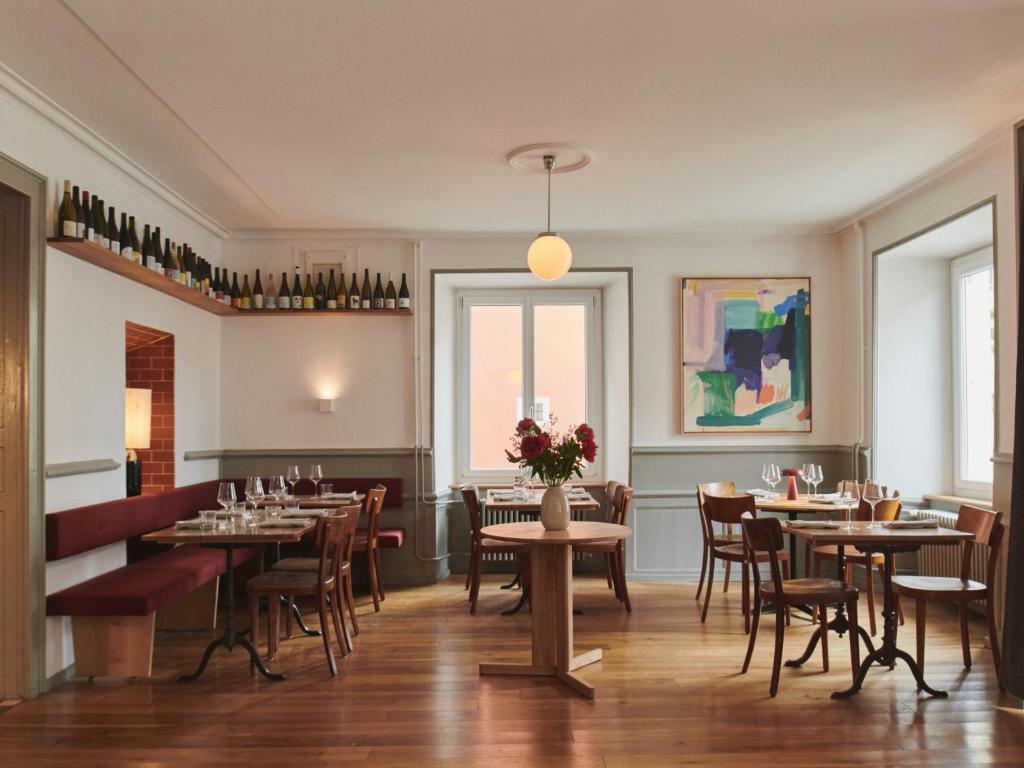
831 552
497 546
810 591
940 587
387 538
736 553
611 545
286 583
309 564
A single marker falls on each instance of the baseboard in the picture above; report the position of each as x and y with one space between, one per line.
59 678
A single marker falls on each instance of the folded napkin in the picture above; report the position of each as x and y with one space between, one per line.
301 513
813 524
503 495
760 493
578 493
339 495
287 522
832 498
911 524
193 523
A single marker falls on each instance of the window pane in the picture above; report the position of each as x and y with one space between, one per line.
496 382
977 375
560 363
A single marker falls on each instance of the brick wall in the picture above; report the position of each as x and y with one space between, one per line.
152 367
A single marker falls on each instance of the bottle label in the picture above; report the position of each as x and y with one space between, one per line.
105 242
90 233
270 302
258 301
176 275
137 255
284 302
70 229
245 303
296 302
403 304
332 303
366 304
389 303
353 302
128 253
80 229
307 302
378 303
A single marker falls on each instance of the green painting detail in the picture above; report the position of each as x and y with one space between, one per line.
746 355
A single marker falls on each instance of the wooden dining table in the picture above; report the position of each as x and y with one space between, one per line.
497 500
869 538
551 607
230 539
793 509
315 502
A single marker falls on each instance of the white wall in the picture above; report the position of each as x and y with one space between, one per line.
914 420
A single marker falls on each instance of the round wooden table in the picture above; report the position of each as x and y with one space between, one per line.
551 597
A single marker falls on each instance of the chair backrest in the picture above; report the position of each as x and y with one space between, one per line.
374 502
763 534
987 527
331 529
610 491
720 488
728 509
351 515
471 499
623 504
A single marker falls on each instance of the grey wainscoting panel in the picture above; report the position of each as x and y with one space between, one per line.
69 468
666 542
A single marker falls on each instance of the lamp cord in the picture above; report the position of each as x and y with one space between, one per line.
549 199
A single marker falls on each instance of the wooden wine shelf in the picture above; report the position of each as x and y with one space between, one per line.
101 257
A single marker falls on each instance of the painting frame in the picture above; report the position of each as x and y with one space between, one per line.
686 370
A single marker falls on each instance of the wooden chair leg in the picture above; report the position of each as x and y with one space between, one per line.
920 617
273 624
620 559
254 625
993 639
707 590
965 635
745 586
817 574
785 575
469 569
610 565
753 634
288 617
608 571
380 577
871 596
780 630
474 588
823 629
374 587
703 570
339 621
728 571
351 600
851 614
325 634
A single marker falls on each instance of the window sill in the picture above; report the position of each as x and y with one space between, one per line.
945 499
483 484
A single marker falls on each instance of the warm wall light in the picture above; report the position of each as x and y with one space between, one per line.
326 404
138 415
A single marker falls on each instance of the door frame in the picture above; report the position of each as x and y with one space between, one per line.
31 523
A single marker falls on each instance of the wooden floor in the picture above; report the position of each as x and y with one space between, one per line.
669 693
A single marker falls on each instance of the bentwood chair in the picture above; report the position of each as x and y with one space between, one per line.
987 528
333 535
479 545
609 517
764 537
343 572
614 550
885 510
367 541
728 510
710 536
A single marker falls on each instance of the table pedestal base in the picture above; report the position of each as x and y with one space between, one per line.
551 607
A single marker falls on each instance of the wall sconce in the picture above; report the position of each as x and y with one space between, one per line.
138 417
326 404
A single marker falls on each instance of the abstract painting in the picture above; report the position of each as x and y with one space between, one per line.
746 345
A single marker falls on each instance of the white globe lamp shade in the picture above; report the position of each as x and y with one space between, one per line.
549 256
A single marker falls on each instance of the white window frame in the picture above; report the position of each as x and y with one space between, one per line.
961 267
527 299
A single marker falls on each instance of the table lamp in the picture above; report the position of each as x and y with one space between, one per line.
138 411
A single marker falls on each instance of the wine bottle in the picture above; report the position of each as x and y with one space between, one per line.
113 233
245 299
257 292
148 257
67 224
320 293
332 293
236 294
125 238
341 300
378 294
297 291
133 238
158 254
366 295
225 286
308 299
403 295
89 233
270 300
186 256
353 294
100 223
218 292
79 217
390 299
172 265
284 296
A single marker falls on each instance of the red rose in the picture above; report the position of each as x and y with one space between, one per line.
525 426
584 432
589 449
534 445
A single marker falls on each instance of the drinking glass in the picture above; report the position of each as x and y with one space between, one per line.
816 477
316 474
805 474
519 487
774 477
765 474
293 476
872 495
253 494
226 498
207 519
276 487
326 489
849 493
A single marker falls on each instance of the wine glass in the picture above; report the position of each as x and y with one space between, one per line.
316 474
774 478
293 476
805 474
872 495
765 473
253 494
226 498
275 488
849 494
816 477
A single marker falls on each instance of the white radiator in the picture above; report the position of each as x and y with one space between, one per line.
499 516
938 560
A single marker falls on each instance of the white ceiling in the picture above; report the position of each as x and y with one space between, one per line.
962 235
398 114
